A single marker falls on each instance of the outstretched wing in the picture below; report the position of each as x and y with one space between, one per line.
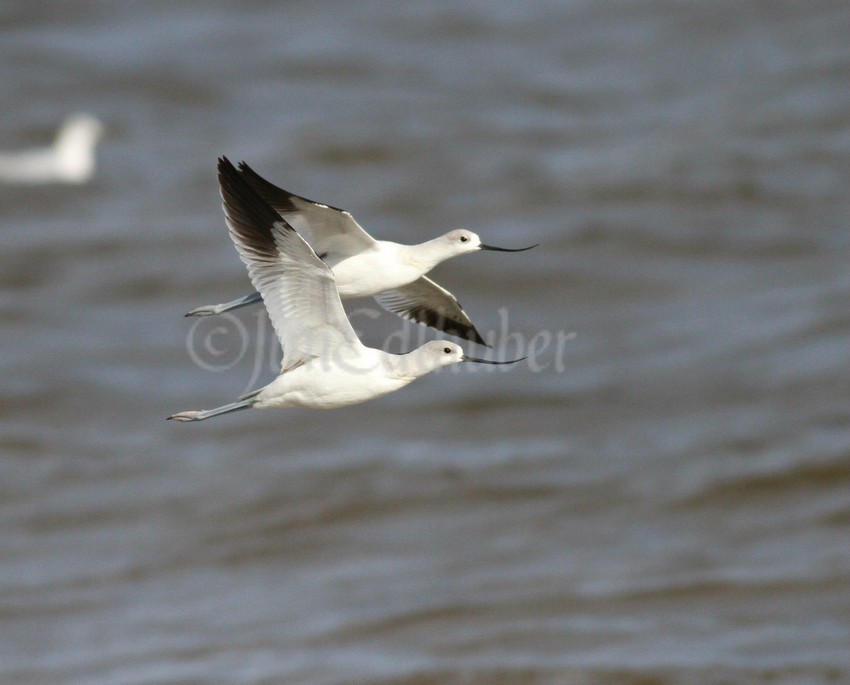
425 302
298 288
332 232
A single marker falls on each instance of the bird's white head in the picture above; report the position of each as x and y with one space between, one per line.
461 241
83 129
430 357
444 353
75 144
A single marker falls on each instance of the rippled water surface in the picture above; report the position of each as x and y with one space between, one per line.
663 497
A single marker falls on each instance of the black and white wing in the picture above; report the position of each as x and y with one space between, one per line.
331 231
425 302
298 288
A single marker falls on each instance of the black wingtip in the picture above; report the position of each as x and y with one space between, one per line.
459 329
257 182
467 331
228 177
280 199
242 202
246 170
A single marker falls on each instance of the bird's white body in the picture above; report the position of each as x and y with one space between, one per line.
384 266
71 158
351 375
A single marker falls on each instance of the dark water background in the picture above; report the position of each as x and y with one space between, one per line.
663 499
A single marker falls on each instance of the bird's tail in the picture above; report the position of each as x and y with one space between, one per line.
209 413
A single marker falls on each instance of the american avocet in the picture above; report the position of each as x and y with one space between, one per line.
392 273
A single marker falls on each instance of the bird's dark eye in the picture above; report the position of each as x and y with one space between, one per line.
447 350
463 239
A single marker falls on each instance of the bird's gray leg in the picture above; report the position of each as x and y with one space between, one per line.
210 309
184 416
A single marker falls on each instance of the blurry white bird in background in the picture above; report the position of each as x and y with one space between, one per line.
71 158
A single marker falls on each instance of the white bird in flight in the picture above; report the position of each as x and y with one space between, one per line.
324 363
71 158
392 273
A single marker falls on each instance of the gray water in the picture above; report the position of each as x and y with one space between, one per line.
662 498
